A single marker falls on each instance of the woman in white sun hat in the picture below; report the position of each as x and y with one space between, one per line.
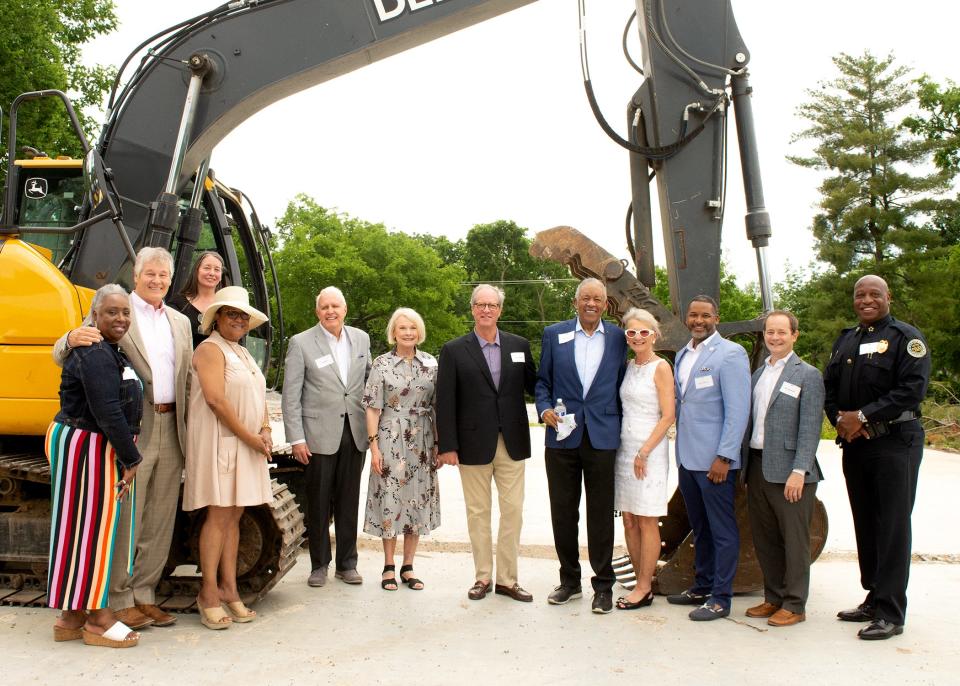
228 447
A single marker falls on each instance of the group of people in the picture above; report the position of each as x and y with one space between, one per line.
606 420
139 409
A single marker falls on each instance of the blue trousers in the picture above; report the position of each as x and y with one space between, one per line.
716 538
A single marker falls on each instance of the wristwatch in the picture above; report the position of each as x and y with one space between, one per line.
725 460
861 417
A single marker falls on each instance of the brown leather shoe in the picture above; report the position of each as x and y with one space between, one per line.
159 617
764 609
479 590
514 592
783 617
133 618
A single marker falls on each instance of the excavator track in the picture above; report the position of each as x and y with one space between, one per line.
270 539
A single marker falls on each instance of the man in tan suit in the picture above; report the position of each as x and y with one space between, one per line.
159 346
323 379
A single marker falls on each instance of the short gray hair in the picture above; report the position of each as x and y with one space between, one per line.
148 255
644 316
501 296
590 282
334 291
413 317
105 292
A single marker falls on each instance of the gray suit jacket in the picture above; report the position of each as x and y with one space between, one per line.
132 346
791 428
315 399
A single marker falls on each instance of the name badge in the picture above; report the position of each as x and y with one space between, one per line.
429 362
869 348
703 381
790 389
518 357
565 337
129 374
233 358
324 361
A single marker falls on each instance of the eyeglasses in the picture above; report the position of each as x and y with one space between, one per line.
237 314
642 333
487 306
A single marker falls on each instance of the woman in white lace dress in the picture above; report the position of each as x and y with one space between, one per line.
642 460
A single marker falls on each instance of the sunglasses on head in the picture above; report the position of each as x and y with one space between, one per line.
642 333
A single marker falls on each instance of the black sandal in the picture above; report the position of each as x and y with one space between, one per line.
389 584
411 582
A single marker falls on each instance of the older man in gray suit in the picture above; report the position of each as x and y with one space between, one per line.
324 376
780 461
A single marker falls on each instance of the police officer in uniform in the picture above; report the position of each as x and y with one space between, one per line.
875 380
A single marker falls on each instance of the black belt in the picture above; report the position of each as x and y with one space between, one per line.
879 429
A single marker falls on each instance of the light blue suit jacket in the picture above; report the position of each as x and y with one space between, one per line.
558 378
713 412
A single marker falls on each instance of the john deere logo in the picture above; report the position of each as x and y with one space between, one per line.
35 188
391 9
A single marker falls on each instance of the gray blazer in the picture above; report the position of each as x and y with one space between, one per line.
315 399
132 346
791 429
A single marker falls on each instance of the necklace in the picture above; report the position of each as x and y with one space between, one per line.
647 361
242 353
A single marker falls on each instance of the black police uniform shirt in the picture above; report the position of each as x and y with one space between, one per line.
881 368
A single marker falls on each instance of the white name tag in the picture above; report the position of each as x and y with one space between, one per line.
790 389
518 357
129 374
565 337
324 361
703 381
429 362
233 358
869 348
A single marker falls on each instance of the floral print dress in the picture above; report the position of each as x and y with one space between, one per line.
406 498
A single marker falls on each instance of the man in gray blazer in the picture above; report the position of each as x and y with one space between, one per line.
324 375
780 463
160 348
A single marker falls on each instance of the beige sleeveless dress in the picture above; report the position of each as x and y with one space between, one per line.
220 468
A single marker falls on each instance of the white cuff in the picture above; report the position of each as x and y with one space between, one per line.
800 472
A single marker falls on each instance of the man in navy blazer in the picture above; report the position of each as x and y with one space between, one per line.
582 362
713 407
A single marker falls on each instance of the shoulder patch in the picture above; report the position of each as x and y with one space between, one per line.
916 348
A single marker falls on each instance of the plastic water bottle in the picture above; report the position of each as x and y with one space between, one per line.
560 409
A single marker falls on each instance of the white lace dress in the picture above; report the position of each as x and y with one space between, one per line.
641 411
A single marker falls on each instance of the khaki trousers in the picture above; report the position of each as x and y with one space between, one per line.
509 476
158 492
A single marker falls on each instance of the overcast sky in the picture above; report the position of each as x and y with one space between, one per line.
492 122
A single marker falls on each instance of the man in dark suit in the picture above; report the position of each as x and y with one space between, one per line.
780 463
324 374
483 427
582 362
713 407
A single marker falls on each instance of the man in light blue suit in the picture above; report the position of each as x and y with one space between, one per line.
582 362
713 408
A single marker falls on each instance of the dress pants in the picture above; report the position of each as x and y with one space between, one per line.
716 538
566 469
781 537
158 492
333 486
509 476
881 475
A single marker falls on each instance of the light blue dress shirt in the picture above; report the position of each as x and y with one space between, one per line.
588 353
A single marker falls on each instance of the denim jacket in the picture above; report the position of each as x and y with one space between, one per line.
96 396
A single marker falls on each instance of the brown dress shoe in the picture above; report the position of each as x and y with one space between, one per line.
783 617
515 592
764 609
133 618
159 617
479 590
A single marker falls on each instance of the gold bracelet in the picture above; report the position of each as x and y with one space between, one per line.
267 427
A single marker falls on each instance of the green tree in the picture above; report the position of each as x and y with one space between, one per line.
377 270
939 121
875 201
538 292
40 49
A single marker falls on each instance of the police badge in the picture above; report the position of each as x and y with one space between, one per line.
882 345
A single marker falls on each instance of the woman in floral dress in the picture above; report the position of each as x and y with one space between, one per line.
403 497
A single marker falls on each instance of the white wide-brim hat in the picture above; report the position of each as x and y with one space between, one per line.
235 297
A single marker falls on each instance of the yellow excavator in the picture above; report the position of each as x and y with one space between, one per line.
70 226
